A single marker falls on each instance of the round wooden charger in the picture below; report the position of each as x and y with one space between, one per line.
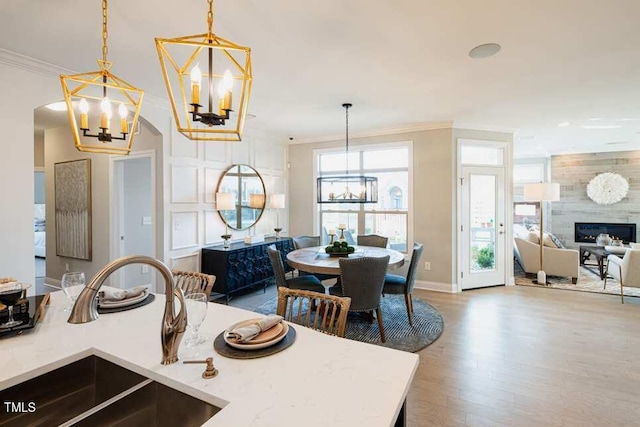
224 349
149 299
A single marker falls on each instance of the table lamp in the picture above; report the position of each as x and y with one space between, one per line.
256 201
542 192
225 202
277 202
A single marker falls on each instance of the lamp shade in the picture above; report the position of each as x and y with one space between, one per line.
525 210
256 201
276 201
225 201
544 191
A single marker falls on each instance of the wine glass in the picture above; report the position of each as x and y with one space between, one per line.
196 305
72 284
9 295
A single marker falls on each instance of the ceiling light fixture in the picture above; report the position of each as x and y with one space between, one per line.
57 106
347 188
485 50
227 71
564 124
105 89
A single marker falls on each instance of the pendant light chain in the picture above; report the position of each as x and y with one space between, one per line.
210 17
346 106
105 33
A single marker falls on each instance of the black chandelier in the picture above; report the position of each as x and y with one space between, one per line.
347 188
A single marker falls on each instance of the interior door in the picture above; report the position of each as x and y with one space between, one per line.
482 228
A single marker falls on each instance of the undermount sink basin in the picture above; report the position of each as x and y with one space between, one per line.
95 392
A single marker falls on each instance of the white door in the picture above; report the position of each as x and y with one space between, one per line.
483 227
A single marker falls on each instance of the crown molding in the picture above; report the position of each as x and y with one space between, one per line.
28 63
377 132
487 128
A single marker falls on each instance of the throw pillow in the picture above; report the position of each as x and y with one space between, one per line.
548 241
533 237
556 241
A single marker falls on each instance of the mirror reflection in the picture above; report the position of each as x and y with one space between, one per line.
247 186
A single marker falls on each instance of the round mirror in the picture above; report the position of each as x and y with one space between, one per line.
247 187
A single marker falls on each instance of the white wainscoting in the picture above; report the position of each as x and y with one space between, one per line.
187 262
184 229
184 184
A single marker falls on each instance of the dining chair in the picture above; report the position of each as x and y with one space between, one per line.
625 269
373 240
294 306
362 280
191 282
398 285
301 242
307 282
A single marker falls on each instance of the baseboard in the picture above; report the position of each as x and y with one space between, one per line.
511 281
435 286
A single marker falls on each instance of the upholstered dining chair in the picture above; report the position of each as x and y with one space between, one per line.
362 281
301 242
294 306
373 240
625 269
308 282
191 282
395 284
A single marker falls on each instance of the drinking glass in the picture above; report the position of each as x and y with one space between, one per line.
196 305
72 284
9 296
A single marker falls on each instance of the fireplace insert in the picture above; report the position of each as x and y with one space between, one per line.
587 232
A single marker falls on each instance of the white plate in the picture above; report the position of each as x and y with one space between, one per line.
125 302
249 346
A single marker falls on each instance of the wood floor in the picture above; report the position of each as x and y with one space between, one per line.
520 356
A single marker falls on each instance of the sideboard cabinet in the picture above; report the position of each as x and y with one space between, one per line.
242 265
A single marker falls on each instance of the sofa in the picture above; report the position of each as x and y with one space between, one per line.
557 261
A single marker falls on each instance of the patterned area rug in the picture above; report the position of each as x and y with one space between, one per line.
427 324
588 281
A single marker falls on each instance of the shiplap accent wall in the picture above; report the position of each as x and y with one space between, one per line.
573 172
194 169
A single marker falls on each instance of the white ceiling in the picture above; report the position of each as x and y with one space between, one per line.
401 62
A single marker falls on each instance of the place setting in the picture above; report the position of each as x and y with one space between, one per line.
116 300
254 338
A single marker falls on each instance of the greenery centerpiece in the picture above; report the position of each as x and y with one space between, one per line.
339 249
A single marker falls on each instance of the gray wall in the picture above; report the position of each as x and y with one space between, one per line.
39 188
59 147
573 172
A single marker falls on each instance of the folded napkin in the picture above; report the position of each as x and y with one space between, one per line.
112 295
247 333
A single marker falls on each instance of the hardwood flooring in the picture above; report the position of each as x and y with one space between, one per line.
521 356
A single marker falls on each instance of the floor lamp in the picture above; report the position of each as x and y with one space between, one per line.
542 192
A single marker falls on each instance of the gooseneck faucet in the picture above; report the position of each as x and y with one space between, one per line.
85 308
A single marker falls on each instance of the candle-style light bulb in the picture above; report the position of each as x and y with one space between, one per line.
84 114
196 80
105 118
221 94
122 112
227 86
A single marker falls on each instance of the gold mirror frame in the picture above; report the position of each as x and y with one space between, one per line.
239 172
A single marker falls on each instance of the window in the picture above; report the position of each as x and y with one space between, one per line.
390 215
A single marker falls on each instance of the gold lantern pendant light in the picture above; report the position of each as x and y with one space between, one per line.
101 89
220 114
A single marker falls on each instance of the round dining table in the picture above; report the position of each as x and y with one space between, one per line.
316 260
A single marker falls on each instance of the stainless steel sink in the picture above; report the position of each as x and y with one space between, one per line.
95 392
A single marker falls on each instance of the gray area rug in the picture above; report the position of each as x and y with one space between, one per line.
427 324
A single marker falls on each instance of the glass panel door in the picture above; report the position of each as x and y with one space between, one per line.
483 227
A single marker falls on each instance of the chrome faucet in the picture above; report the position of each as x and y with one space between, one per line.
85 308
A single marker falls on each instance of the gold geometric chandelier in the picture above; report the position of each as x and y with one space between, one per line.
219 113
103 90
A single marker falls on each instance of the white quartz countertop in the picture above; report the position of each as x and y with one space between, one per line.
319 381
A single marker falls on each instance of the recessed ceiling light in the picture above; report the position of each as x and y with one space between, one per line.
600 126
57 106
485 50
564 124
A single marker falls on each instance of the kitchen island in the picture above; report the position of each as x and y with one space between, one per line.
320 380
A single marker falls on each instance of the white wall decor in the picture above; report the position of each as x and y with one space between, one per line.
184 184
607 188
188 262
211 178
184 230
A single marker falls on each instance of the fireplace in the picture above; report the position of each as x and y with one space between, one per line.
587 232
